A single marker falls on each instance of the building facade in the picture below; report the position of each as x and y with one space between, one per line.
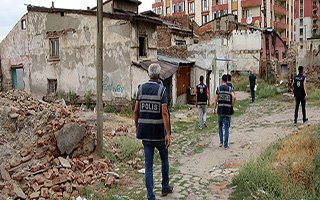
52 51
277 14
307 20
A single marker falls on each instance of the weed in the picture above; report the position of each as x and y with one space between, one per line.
241 83
313 94
88 98
128 147
288 169
73 99
265 90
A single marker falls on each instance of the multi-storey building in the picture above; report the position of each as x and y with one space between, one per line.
277 14
307 20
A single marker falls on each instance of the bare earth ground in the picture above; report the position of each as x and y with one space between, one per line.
207 174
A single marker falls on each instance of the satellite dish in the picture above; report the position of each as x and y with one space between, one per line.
249 20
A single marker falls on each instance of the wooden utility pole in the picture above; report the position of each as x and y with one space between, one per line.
99 66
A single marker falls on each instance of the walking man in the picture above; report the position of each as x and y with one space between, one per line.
153 128
225 100
253 82
300 94
201 102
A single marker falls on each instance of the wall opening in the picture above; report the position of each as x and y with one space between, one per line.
142 46
52 87
17 77
23 24
54 48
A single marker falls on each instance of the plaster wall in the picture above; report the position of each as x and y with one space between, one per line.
11 56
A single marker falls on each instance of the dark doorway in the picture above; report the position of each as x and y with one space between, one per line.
168 84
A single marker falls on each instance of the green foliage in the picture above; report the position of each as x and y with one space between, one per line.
241 107
88 98
265 90
313 94
241 83
261 179
73 100
128 146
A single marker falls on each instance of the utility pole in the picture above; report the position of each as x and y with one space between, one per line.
99 66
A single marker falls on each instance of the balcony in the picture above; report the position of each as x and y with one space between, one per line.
280 25
314 7
177 1
315 26
220 7
315 16
251 3
280 10
157 4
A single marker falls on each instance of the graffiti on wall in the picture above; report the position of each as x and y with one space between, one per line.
109 86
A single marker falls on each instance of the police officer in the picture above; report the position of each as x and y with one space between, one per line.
225 100
300 94
253 83
152 124
201 102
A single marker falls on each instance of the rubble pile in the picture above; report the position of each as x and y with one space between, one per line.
52 150
313 75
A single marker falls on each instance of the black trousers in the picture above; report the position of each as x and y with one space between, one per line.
252 93
299 100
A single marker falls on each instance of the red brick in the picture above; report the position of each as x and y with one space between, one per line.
24 152
48 183
74 193
90 167
26 159
40 179
35 195
60 179
19 176
1 185
56 161
89 173
35 186
110 181
55 188
44 192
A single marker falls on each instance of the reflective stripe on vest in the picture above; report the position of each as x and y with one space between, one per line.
224 100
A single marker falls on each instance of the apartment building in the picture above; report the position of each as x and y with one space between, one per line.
307 20
278 14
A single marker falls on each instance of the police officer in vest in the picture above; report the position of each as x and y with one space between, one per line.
201 102
300 94
225 100
152 124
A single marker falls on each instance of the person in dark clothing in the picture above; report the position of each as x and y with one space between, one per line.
202 100
153 128
253 83
300 94
229 83
225 100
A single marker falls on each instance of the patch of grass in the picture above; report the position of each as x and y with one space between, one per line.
241 107
288 169
88 98
314 94
241 83
128 147
178 106
266 91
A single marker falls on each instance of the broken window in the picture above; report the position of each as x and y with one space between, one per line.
301 31
54 48
191 7
205 19
52 86
181 42
142 46
23 24
205 5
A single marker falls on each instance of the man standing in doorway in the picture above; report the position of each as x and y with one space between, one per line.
202 99
300 94
253 83
225 100
153 128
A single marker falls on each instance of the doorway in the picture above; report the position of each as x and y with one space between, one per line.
17 77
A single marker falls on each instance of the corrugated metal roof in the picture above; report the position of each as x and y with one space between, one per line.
175 61
167 69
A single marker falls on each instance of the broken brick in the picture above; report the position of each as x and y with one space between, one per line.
35 186
35 195
44 192
40 179
5 174
26 159
110 181
55 188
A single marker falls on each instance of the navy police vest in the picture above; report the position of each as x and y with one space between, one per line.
299 86
224 100
202 97
150 122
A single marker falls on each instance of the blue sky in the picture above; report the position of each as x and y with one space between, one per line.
12 10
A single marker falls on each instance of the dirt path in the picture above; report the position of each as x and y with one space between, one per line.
206 175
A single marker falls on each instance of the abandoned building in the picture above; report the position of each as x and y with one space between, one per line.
52 50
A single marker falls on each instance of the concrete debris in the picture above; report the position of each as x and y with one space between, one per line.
64 162
33 133
69 137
